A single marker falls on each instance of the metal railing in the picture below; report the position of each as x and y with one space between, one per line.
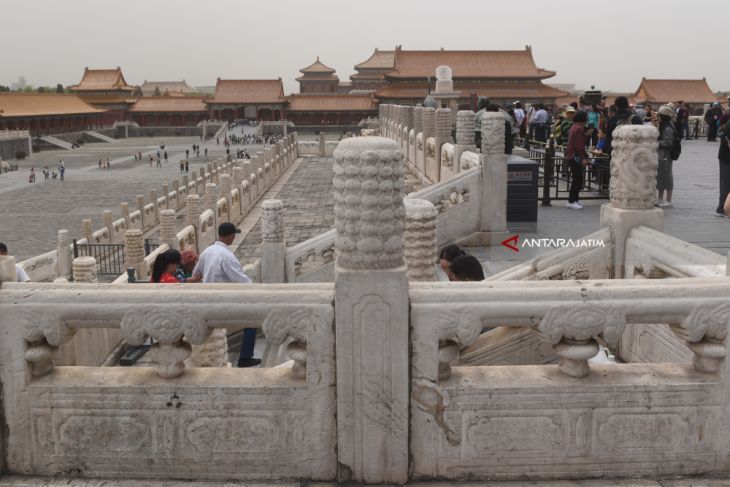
555 176
109 256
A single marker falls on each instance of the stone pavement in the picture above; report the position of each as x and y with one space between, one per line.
31 214
308 207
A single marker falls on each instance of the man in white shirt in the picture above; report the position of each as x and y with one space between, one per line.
218 264
20 274
519 118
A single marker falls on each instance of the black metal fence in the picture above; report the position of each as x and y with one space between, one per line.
109 256
556 177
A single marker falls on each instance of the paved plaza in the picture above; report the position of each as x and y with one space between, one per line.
34 212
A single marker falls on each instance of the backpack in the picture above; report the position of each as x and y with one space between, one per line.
676 149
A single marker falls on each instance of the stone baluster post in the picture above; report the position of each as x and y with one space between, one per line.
465 140
371 295
64 254
201 176
493 218
634 163
153 200
168 234
273 247
381 119
134 252
211 196
417 120
84 269
443 135
108 223
86 230
166 195
192 217
322 145
268 156
7 269
237 177
420 240
124 210
280 164
140 207
408 127
428 119
226 188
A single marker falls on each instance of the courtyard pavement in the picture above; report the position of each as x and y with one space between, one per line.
32 213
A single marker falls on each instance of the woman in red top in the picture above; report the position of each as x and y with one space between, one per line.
165 265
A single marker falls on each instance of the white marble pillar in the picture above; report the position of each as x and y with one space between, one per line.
134 252
84 269
465 140
420 240
86 230
64 255
124 210
443 135
371 295
634 163
273 246
211 196
7 269
168 234
493 220
322 145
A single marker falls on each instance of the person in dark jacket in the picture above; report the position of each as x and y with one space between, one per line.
664 178
623 116
712 117
724 157
576 156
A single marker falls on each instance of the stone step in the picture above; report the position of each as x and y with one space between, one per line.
57 142
99 136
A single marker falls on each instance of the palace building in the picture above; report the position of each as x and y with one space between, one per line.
47 113
695 92
260 99
407 77
107 89
169 111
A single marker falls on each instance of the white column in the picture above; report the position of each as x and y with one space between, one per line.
371 296
493 221
634 163
64 254
420 240
273 246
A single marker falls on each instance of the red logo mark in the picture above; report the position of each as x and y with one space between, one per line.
511 243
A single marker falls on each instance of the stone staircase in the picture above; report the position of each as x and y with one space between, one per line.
57 142
99 136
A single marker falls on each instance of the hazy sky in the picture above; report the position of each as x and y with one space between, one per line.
610 44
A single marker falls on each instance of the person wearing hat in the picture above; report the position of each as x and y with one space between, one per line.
218 264
664 178
565 124
723 156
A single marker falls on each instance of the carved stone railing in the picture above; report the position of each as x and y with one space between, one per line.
533 421
457 203
147 422
653 254
302 258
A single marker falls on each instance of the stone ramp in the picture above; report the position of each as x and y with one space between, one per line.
99 136
57 142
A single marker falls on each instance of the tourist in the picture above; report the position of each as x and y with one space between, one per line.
564 127
206 153
165 157
541 121
594 122
187 167
667 134
520 119
649 115
151 160
623 116
159 161
682 121
108 163
188 260
31 177
482 105
447 256
467 268
724 158
159 154
218 264
712 117
182 165
187 153
576 156
165 266
61 170
139 155
640 112
46 173
20 274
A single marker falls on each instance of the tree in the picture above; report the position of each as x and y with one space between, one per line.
4 89
27 89
41 89
157 91
59 88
